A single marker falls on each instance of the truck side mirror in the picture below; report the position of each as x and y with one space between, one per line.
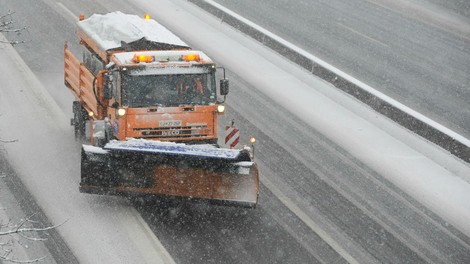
224 87
107 86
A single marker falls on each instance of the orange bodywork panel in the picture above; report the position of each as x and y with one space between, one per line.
202 184
184 123
81 81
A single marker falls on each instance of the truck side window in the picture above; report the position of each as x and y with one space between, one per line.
115 86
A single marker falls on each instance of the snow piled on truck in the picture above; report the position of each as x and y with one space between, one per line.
150 146
110 29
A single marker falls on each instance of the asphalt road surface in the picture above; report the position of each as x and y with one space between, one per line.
417 52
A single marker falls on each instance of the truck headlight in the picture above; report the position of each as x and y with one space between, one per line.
220 108
121 111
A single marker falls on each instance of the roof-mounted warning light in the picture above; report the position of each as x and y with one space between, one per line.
191 57
81 17
146 16
143 58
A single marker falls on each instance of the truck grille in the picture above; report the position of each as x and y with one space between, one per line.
174 132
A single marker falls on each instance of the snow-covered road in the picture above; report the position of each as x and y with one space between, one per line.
108 230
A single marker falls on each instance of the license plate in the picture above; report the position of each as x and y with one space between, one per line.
170 123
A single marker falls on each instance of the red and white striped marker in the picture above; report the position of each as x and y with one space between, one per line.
232 136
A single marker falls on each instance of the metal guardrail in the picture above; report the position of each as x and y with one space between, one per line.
408 118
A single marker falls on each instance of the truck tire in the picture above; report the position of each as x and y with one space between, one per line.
79 118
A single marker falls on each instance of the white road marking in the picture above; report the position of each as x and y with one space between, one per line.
154 252
308 221
362 35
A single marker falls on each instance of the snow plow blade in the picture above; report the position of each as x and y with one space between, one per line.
223 176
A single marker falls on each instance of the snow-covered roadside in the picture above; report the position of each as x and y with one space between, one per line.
99 229
11 214
424 171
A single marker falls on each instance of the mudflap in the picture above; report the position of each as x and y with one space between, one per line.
221 181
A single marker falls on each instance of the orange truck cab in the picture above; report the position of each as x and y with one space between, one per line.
167 95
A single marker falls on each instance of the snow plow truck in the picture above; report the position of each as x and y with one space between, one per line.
146 112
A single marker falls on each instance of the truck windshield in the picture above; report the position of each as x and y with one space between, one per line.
168 90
